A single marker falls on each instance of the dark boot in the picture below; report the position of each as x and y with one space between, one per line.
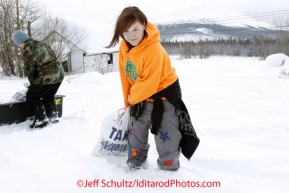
50 109
38 124
38 111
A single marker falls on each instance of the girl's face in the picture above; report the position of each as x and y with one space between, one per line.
134 34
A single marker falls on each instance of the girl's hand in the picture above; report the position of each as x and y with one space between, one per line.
129 104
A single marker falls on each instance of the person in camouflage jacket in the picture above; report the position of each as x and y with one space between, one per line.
40 63
45 74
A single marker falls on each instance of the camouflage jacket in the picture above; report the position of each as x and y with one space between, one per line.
40 63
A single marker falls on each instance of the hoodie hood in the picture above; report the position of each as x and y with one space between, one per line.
152 35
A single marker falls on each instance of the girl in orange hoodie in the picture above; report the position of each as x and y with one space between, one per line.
150 86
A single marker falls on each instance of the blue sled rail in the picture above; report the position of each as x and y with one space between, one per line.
18 112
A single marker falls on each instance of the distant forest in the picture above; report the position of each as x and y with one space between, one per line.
234 46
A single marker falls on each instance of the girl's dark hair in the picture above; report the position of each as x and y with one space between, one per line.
128 16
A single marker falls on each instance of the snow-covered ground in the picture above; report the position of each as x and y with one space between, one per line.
239 108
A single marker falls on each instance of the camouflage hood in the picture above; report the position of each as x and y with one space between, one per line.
40 63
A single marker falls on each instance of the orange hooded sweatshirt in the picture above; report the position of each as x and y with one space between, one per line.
146 68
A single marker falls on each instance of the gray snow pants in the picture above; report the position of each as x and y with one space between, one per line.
167 141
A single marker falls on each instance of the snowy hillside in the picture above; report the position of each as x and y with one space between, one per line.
239 108
211 22
204 14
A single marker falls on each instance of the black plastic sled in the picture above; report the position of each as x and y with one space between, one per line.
18 112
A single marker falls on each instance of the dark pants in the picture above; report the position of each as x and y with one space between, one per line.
40 99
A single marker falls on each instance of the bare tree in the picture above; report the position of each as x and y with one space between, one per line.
186 50
15 15
282 36
22 15
56 33
27 12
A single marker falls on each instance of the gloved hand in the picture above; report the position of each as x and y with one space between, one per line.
136 110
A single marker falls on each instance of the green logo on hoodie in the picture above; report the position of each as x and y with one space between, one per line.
130 71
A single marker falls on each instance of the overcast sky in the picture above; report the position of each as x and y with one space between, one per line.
109 9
